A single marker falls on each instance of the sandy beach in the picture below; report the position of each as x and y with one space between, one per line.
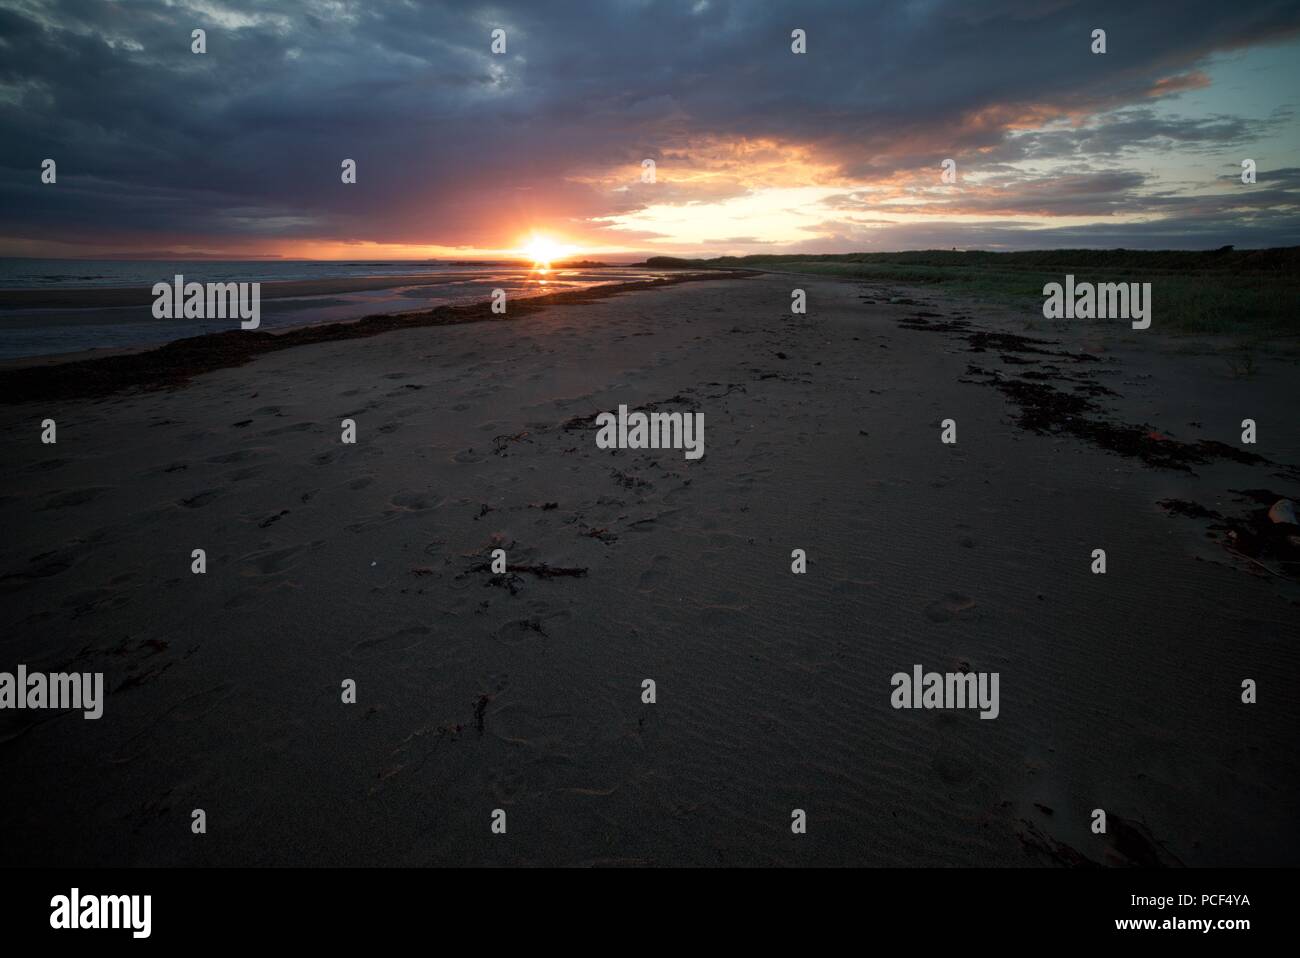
522 691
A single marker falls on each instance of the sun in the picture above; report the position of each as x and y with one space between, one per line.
543 251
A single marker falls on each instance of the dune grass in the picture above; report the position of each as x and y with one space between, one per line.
1247 294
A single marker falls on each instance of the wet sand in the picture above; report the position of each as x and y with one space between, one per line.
58 324
522 691
91 297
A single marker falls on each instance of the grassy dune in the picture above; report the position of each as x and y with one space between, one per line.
1250 294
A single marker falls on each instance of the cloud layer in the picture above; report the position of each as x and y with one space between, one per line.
239 149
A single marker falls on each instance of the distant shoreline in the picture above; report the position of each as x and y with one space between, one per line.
102 297
49 378
92 297
81 320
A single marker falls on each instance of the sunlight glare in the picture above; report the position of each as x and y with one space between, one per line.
543 251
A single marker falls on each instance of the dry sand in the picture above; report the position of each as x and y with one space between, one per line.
329 562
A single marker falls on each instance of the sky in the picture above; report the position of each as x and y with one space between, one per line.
461 152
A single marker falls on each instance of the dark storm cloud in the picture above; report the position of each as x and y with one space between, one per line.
157 146
1127 130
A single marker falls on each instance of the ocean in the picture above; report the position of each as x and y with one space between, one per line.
30 328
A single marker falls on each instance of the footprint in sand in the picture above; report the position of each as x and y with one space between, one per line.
200 499
507 786
91 601
272 519
400 641
952 763
47 465
188 709
279 560
388 515
45 565
949 607
199 704
75 497
522 630
243 597
416 501
852 586
239 475
653 577
295 427
239 455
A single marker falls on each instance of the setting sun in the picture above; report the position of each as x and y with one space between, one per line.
543 250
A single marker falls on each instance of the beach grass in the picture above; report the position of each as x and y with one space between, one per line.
1251 295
